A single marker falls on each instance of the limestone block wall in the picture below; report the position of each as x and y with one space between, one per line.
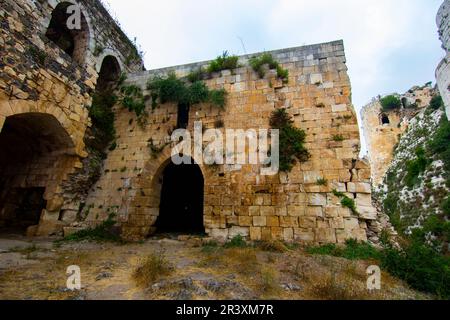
443 70
382 129
238 200
442 19
443 82
381 138
38 77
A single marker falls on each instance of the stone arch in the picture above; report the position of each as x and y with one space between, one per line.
76 43
37 153
143 211
108 52
16 107
109 73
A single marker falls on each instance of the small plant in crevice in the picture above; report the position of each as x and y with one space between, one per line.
38 55
223 62
197 75
266 59
338 138
98 50
133 99
292 140
154 149
346 202
322 182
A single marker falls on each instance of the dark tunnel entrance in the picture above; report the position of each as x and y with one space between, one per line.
32 144
181 208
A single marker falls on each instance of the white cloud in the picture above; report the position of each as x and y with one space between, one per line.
381 36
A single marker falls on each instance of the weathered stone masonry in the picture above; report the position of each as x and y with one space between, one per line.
44 93
238 200
51 91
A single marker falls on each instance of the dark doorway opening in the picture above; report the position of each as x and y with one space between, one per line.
71 41
109 74
183 116
21 208
385 119
31 144
181 208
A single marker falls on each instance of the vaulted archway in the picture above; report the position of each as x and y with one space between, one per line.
72 40
109 73
181 200
35 149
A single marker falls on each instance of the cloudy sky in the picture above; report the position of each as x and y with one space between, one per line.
391 45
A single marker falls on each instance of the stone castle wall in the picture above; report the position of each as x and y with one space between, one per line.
443 70
46 92
238 200
382 129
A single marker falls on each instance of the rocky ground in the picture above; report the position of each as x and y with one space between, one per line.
36 269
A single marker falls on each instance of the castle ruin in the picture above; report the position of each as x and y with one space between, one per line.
48 77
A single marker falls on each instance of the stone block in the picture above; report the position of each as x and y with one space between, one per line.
339 108
359 187
317 199
325 235
255 233
238 231
245 221
307 222
367 212
296 211
273 222
219 234
303 235
316 78
259 221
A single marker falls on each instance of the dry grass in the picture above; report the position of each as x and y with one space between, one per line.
240 260
274 246
268 283
342 286
151 268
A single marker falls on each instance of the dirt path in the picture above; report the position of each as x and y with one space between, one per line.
37 270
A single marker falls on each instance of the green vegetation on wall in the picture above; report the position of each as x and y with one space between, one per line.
346 202
223 62
102 117
172 89
133 99
292 140
390 102
266 59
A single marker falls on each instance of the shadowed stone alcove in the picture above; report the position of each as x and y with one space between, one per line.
33 146
181 207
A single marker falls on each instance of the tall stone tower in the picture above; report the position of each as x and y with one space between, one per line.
443 70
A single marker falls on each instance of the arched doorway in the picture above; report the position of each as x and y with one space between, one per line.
33 147
72 41
109 74
384 119
181 206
